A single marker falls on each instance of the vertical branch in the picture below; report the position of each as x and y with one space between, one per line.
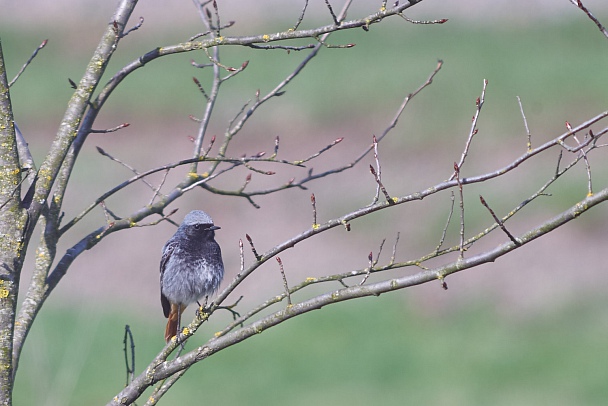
394 254
313 201
129 364
521 109
457 173
478 104
378 176
13 223
368 270
212 95
587 165
285 285
331 11
447 224
242 257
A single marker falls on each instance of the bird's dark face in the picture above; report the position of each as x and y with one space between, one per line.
199 231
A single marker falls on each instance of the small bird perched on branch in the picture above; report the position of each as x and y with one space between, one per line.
191 267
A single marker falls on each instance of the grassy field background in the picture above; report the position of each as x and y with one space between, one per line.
529 329
370 351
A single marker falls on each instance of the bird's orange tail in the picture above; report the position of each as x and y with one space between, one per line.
173 321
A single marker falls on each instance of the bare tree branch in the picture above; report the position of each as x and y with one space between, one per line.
13 243
41 207
26 64
600 26
56 169
160 370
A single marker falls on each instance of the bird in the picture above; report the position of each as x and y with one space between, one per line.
191 267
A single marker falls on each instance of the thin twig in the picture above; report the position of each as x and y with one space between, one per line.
163 217
135 28
241 256
587 164
301 17
129 167
109 214
206 151
313 201
392 260
216 61
423 22
235 71
285 285
287 48
218 23
447 224
378 176
247 180
579 4
129 366
331 11
255 253
322 150
478 105
204 34
200 87
27 63
460 191
338 46
157 189
230 308
200 65
372 263
368 269
276 148
403 105
215 84
521 109
110 130
498 221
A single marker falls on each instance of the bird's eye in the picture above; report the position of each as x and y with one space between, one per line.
197 226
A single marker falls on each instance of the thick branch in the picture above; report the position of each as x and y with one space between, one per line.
57 167
13 222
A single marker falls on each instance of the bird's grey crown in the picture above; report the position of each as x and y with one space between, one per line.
197 217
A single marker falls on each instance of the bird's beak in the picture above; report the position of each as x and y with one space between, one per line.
214 228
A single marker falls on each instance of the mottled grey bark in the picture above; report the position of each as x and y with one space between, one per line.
13 222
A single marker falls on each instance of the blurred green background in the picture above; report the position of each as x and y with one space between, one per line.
528 329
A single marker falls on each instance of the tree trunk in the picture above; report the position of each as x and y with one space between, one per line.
12 225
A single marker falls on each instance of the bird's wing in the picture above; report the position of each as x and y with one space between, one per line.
167 251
